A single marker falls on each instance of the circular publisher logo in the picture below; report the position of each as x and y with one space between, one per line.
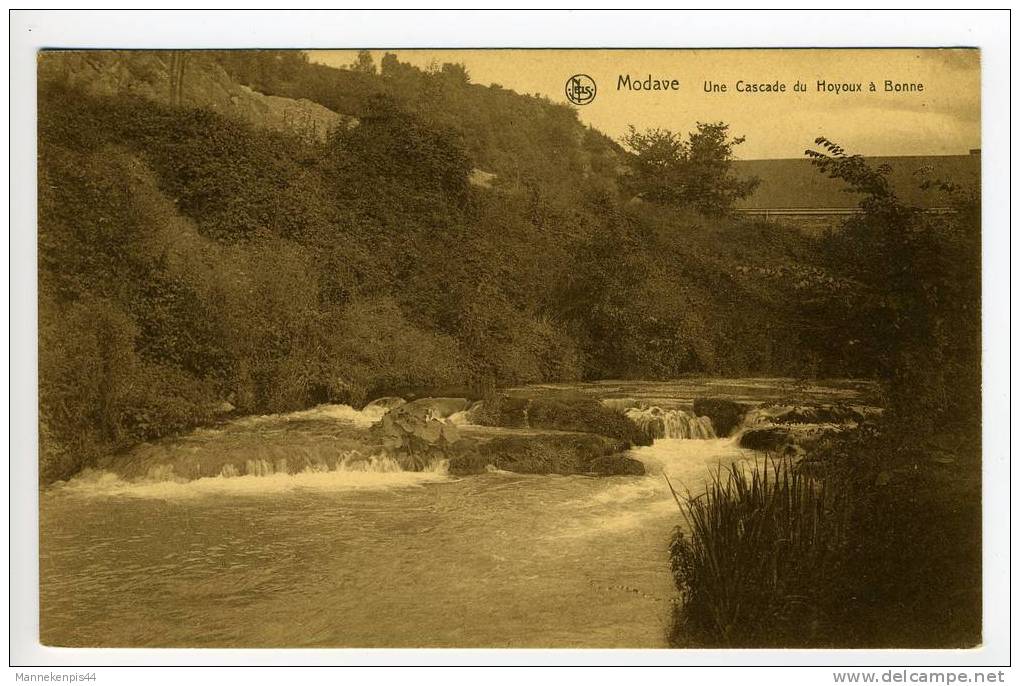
580 89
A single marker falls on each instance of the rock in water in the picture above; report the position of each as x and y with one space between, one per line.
726 415
617 465
416 434
387 403
440 407
767 439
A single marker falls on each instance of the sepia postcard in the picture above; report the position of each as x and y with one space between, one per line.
510 348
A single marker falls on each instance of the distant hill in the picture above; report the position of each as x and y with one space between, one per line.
797 184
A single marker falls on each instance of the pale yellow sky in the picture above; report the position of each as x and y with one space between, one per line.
943 119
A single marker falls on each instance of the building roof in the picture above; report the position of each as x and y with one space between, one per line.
796 183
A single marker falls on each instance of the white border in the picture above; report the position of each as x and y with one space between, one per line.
380 29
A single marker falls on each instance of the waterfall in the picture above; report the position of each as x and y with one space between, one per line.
671 423
374 473
350 471
344 462
319 459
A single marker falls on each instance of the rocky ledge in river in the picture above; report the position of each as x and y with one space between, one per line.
793 428
563 435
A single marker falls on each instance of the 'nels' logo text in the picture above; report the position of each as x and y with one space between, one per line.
580 89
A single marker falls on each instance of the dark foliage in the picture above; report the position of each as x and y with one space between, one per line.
891 512
692 173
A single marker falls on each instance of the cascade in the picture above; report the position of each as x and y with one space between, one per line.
671 423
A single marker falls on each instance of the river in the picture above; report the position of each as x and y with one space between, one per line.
372 557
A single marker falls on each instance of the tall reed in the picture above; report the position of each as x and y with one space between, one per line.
763 545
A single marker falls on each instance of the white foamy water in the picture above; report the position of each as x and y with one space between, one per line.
638 502
671 423
366 417
377 473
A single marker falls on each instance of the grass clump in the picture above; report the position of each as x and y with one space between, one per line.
765 539
866 542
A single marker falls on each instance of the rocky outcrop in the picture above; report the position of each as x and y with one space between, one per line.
770 439
188 79
480 178
386 403
810 414
506 411
532 436
791 428
416 435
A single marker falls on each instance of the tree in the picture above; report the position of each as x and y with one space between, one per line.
364 62
456 71
178 64
916 311
692 173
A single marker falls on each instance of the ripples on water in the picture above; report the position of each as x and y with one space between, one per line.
317 560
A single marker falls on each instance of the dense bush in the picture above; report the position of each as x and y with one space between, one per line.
912 570
877 545
97 393
916 311
380 352
692 172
